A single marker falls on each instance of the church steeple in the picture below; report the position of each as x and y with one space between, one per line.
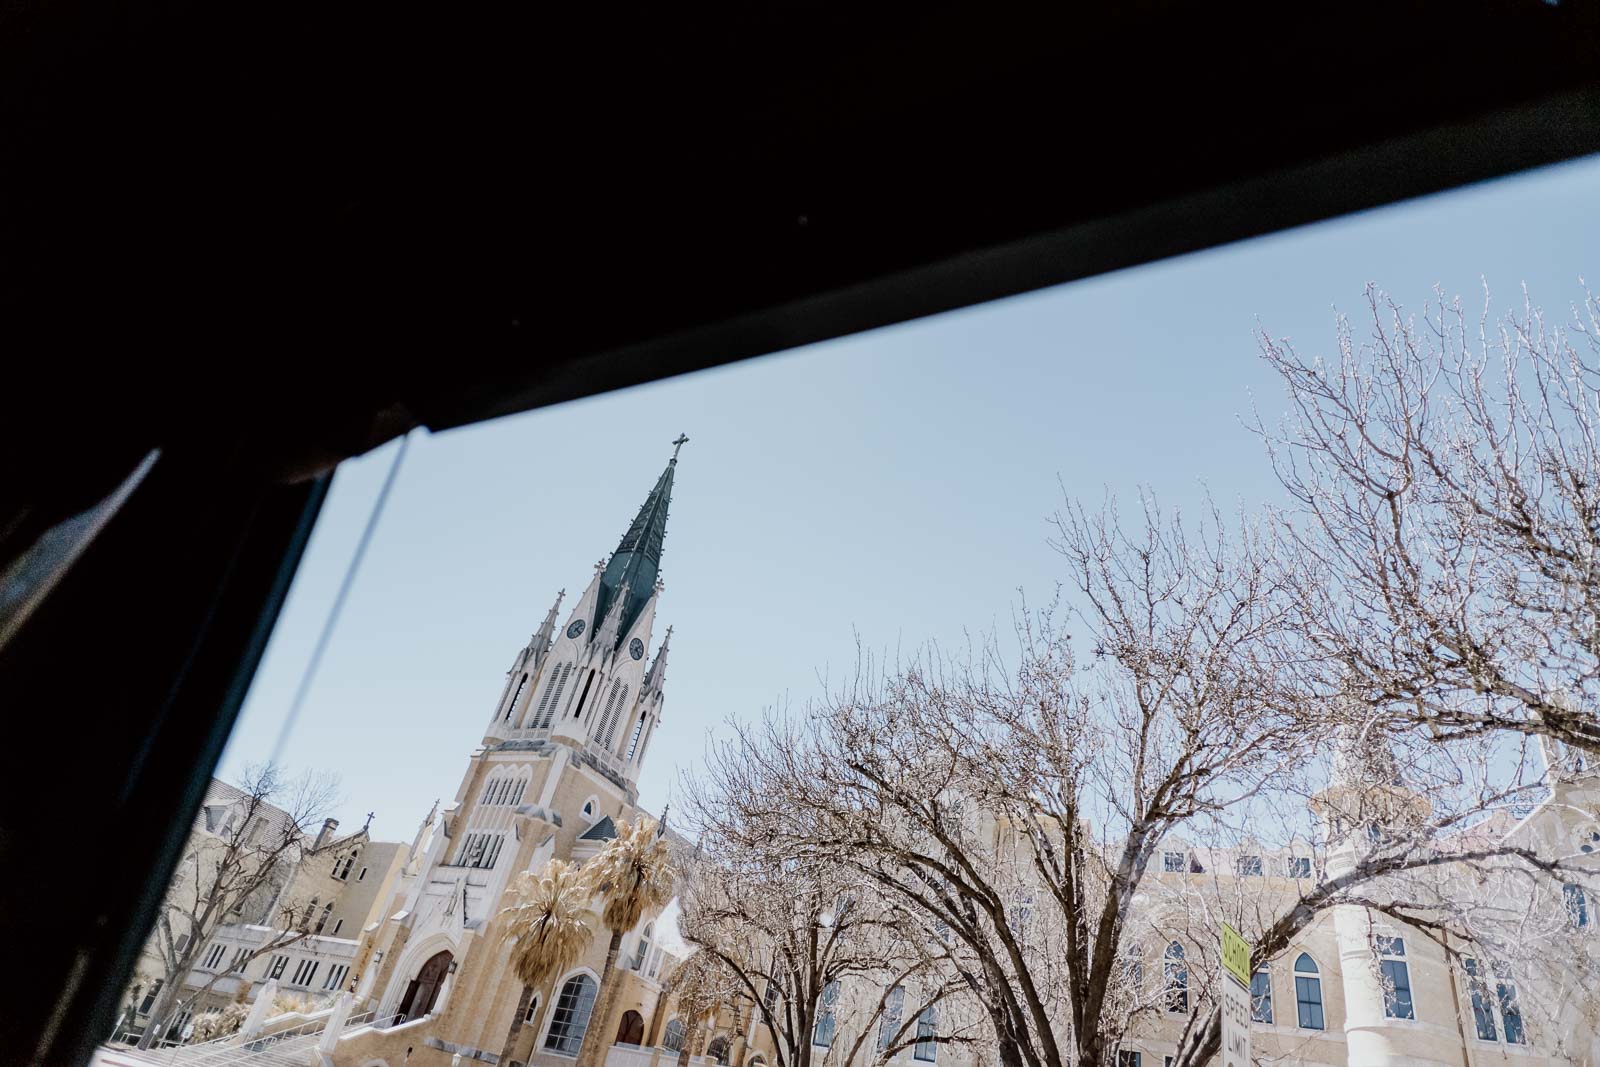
658 666
631 573
546 635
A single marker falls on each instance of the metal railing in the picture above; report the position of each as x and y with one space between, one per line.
269 1048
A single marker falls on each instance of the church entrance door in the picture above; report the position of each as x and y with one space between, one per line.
424 988
631 1032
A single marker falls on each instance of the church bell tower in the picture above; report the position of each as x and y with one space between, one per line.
585 680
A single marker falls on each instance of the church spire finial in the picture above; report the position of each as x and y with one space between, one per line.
681 440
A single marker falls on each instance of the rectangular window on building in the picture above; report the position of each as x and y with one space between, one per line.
640 952
214 956
335 931
1261 996
927 1049
1482 1007
822 1033
1172 862
150 995
240 956
1396 978
889 1024
1299 866
480 850
362 875
277 966
1577 905
1250 865
1510 1013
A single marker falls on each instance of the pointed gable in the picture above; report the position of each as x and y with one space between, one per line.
604 830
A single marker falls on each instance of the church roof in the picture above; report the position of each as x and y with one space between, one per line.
222 798
637 560
604 830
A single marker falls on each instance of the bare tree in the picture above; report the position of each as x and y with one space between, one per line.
244 862
702 986
817 955
1019 809
1445 474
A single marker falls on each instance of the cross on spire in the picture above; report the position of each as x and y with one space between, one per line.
682 439
370 816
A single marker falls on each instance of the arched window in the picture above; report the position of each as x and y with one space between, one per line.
327 912
513 702
570 1020
1308 993
672 1038
1177 976
611 727
342 865
611 706
643 949
552 694
533 1011
718 1050
638 732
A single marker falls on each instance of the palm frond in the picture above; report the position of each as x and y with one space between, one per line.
632 874
547 923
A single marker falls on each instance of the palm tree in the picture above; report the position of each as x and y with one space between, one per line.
634 877
547 926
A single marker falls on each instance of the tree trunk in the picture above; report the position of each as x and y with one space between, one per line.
516 1023
166 1000
691 1038
1010 1054
592 1051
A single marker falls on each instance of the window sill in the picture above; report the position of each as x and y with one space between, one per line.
1504 1048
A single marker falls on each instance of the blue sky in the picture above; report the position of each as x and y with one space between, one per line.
896 486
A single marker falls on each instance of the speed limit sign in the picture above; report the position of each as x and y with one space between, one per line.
1235 999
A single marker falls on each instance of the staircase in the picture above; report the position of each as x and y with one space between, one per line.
286 1048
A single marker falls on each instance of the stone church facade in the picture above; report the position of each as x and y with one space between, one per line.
558 766
557 769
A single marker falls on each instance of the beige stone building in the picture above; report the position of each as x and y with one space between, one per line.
313 902
558 766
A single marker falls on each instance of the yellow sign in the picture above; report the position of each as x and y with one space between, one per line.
1236 955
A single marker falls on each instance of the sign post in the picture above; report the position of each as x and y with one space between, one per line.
1235 999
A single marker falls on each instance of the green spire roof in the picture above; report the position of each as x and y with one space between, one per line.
637 560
